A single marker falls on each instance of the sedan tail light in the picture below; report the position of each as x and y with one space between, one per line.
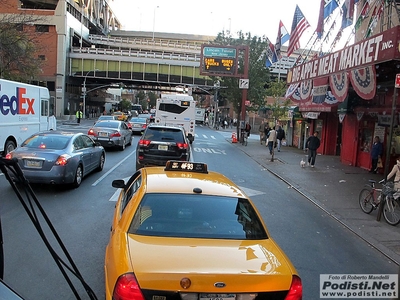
182 145
115 134
91 132
296 289
62 160
127 287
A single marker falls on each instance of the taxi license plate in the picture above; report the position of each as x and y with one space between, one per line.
162 147
103 134
217 297
33 163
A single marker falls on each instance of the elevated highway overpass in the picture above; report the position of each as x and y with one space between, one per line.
141 61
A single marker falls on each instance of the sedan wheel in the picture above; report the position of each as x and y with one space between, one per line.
122 147
101 163
78 177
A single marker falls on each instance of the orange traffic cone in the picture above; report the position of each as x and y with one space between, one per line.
234 138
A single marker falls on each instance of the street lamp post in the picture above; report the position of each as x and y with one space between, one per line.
154 20
84 93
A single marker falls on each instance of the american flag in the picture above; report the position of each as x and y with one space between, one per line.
299 25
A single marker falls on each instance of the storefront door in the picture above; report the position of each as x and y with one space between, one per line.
365 141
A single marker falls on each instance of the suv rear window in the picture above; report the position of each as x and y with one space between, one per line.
164 134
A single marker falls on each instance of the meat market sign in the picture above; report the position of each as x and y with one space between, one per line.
379 48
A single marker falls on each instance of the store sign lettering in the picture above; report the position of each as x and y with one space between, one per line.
367 52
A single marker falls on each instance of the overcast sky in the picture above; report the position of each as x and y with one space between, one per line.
206 17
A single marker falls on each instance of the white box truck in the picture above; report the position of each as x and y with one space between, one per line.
24 110
200 112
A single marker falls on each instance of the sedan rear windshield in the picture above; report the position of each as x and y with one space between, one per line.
197 216
107 124
54 142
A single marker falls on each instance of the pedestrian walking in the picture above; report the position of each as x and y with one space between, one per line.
266 130
271 141
261 131
78 116
312 144
280 135
376 154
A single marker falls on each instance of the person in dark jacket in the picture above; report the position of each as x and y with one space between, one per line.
280 135
312 144
376 153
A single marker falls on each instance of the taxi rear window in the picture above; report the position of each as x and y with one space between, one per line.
197 216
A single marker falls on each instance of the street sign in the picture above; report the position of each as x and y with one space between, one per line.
243 83
219 52
397 82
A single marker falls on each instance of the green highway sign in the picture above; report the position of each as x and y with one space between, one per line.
219 52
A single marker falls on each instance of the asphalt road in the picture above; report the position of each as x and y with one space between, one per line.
315 242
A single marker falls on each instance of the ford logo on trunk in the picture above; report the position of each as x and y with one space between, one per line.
219 284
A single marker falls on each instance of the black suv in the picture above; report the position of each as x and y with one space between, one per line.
160 143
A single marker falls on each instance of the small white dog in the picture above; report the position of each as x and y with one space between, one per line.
302 163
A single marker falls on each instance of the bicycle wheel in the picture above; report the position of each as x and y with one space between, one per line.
366 199
391 211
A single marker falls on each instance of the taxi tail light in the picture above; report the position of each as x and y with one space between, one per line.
91 132
115 134
296 289
182 145
62 160
144 143
127 287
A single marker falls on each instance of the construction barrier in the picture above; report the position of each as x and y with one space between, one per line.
234 137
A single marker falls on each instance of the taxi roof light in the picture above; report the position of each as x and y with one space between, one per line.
185 166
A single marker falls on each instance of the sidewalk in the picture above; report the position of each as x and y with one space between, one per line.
332 186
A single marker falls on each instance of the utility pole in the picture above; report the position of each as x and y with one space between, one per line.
84 93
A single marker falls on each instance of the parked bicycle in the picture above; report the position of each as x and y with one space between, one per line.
370 198
244 137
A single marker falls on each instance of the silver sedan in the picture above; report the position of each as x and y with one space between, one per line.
111 133
56 157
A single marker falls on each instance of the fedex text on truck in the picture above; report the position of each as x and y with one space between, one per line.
17 104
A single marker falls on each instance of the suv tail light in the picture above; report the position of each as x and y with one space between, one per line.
127 287
144 143
182 145
296 289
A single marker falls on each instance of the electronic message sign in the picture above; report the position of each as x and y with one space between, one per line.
218 61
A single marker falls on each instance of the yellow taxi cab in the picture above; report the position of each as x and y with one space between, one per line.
121 116
183 232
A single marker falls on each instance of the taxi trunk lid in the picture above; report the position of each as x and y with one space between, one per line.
213 266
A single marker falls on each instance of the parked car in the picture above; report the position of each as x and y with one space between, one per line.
111 134
138 124
58 157
183 232
160 143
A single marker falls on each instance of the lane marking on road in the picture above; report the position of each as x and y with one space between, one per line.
113 168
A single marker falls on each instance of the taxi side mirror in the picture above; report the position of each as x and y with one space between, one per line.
118 183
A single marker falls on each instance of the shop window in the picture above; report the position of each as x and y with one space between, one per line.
366 139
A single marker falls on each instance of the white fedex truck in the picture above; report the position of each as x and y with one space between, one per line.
24 110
